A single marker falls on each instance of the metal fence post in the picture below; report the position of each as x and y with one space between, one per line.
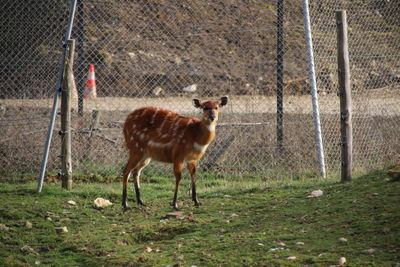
346 130
280 51
56 96
80 51
313 85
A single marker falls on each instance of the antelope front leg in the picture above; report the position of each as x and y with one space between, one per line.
192 170
178 167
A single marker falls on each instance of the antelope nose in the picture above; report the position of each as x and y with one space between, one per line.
212 118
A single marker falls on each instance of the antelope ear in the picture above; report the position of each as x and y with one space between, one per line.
196 103
224 101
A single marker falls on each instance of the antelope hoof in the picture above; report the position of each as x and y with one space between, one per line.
140 202
197 203
125 206
174 205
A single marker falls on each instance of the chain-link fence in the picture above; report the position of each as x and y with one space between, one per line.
146 51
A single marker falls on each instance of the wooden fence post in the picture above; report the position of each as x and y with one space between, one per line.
68 85
345 96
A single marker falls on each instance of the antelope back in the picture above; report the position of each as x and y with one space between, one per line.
159 132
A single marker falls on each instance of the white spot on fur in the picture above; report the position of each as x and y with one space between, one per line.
137 145
175 127
165 136
200 148
163 123
154 116
143 112
159 145
184 130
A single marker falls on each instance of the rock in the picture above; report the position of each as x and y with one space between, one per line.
190 89
178 60
28 249
175 214
100 203
292 258
394 173
28 224
275 249
316 193
4 228
131 55
157 91
342 239
300 243
368 251
71 202
234 215
62 229
342 261
148 249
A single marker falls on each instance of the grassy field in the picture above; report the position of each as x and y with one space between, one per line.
243 222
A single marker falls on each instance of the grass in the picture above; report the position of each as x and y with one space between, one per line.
244 221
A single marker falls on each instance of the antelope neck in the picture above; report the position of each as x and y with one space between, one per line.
207 132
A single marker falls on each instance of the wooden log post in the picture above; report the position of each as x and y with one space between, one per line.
345 96
67 87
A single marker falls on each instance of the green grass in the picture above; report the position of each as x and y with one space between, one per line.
244 221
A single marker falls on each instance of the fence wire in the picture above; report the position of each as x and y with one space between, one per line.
146 52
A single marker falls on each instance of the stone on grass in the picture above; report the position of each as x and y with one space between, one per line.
300 243
316 193
368 251
174 214
342 261
100 203
342 239
28 224
71 202
28 249
4 228
292 258
62 229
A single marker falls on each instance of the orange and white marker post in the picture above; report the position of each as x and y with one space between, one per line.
90 86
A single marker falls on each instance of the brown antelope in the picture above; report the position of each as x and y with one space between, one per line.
165 136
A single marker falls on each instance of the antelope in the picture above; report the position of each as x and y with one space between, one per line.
165 136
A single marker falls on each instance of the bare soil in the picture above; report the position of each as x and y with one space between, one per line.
384 104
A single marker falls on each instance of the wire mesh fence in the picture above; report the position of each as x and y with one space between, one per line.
146 52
